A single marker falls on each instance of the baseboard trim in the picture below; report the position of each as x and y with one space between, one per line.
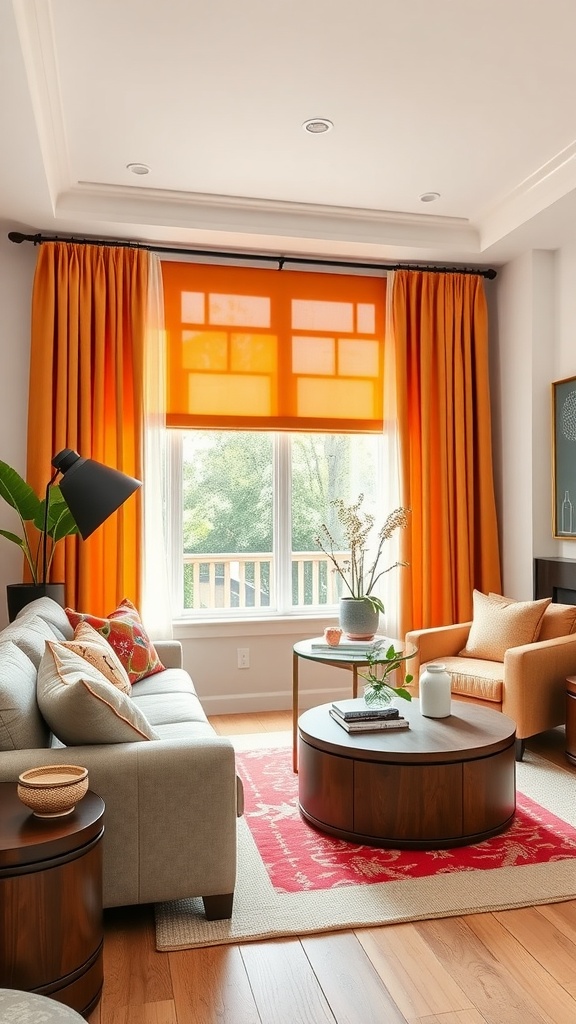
279 700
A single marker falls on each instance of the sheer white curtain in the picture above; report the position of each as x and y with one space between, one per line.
156 610
392 497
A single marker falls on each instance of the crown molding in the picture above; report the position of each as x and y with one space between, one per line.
36 33
154 207
551 182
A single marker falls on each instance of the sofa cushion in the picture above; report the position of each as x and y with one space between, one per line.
497 625
30 634
177 708
52 613
21 724
171 680
89 644
475 677
81 706
124 631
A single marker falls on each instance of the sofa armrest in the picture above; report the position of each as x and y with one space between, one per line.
435 643
535 684
169 652
170 804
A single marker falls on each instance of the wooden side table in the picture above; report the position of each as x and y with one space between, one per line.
51 922
571 719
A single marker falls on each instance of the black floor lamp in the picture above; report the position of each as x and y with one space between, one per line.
92 492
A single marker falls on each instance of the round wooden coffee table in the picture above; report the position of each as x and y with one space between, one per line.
442 782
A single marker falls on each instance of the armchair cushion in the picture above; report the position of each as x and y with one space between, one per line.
558 620
477 678
498 625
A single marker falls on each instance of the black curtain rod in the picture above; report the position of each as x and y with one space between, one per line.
18 237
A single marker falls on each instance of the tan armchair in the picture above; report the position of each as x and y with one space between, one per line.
529 685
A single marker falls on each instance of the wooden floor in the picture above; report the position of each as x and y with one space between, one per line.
512 967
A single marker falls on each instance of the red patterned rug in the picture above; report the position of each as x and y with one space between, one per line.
299 858
293 880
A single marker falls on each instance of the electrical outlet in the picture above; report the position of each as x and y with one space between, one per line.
243 657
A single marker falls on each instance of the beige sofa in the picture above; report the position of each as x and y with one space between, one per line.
171 802
528 684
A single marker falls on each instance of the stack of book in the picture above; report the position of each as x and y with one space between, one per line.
356 716
349 646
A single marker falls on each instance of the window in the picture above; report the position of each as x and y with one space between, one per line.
248 506
275 394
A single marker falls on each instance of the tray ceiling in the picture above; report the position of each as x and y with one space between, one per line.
472 101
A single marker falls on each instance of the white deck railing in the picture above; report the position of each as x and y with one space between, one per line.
231 580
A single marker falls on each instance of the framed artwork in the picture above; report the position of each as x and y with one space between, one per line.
564 459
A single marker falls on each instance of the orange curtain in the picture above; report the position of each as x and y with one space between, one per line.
86 393
442 393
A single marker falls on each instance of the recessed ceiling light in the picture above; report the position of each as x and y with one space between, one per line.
138 168
317 125
429 197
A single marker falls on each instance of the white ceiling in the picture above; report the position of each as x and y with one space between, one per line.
473 99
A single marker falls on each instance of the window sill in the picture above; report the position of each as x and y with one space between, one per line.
279 625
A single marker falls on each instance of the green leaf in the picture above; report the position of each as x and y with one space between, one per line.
60 522
13 537
18 493
401 692
376 603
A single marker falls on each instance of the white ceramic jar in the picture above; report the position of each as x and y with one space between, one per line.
435 692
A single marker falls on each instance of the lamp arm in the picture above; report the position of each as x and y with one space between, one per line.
45 528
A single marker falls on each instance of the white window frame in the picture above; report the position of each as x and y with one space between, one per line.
281 606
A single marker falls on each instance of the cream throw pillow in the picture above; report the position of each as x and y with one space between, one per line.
81 706
94 648
499 623
558 619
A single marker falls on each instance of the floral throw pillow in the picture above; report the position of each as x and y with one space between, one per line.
125 633
89 644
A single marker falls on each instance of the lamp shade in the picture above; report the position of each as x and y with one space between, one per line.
92 491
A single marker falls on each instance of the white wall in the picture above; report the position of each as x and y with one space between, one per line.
16 273
565 349
525 352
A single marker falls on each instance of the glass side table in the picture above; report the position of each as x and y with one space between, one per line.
340 658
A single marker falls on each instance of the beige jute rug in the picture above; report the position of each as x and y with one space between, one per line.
260 912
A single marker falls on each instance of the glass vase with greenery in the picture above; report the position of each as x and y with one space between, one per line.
382 662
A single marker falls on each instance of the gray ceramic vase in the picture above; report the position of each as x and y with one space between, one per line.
358 618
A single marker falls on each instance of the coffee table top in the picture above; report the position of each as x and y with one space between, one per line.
338 655
469 732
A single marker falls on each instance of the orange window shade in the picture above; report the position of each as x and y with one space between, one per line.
273 350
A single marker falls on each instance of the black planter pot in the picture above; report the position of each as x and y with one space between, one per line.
18 595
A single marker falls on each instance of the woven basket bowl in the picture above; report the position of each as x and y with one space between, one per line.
51 791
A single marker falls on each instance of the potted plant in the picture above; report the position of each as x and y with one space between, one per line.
360 608
44 522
